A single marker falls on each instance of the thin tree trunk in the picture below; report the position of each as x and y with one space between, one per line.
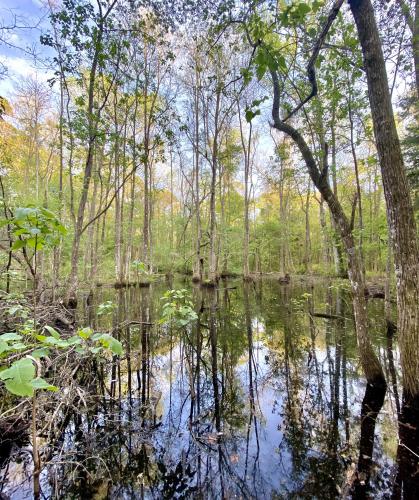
337 249
92 131
212 274
358 185
198 267
246 145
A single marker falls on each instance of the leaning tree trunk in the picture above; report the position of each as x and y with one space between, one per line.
369 361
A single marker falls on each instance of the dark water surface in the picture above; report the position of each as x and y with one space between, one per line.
259 399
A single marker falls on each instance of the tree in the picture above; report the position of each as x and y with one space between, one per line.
399 212
268 57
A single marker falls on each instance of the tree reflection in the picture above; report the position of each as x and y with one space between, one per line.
256 399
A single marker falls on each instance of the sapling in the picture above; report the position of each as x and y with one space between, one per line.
23 378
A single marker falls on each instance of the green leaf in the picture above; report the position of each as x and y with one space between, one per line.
17 346
10 336
109 342
246 74
260 71
34 243
74 340
85 333
303 9
42 352
19 376
282 63
250 114
4 346
18 244
56 342
40 383
19 232
52 331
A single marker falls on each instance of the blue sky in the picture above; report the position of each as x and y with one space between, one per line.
16 58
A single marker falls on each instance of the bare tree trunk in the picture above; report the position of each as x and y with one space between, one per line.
307 249
57 249
337 249
212 274
90 250
146 163
412 20
172 227
92 128
403 234
415 41
358 185
130 236
246 145
198 267
325 239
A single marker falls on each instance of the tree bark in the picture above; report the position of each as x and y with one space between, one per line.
92 119
198 267
246 145
337 249
399 207
402 228
212 272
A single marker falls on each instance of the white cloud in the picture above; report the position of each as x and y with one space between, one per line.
19 67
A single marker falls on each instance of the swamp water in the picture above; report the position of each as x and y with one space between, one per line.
259 399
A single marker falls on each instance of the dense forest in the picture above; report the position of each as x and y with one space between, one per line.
208 217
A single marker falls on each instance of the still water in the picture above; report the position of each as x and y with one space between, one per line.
260 399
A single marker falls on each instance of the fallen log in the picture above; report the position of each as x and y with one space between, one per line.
325 315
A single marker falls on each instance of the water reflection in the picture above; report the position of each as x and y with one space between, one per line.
260 398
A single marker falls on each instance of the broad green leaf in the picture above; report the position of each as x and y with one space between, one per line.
17 346
18 244
10 336
85 333
19 376
74 340
56 342
109 342
4 346
40 383
42 352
